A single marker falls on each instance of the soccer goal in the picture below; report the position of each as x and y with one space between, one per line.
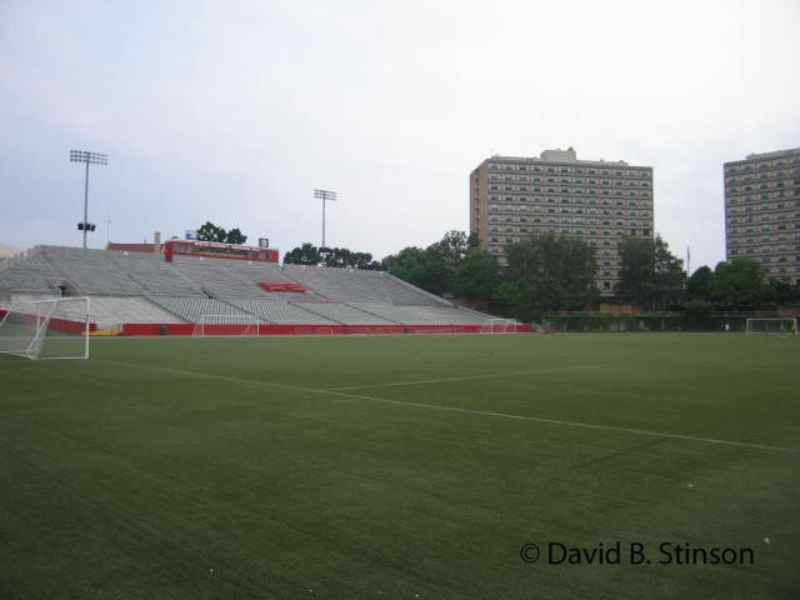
499 326
53 328
246 325
782 326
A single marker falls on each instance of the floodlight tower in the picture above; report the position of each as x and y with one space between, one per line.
327 196
90 158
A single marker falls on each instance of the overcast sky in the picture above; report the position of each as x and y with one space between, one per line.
234 112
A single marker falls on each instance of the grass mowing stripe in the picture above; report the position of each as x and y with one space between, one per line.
467 411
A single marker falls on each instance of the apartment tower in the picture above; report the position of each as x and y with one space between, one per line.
515 198
762 211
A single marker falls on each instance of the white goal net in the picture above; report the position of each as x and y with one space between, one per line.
784 326
226 325
499 326
53 328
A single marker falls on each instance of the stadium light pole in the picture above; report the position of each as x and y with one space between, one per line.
89 158
327 196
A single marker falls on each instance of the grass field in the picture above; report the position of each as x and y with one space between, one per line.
400 467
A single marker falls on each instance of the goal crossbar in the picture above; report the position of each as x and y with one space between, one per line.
499 325
772 326
226 324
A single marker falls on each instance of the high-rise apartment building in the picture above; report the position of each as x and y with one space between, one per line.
762 211
514 198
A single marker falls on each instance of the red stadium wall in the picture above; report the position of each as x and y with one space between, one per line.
63 325
70 326
269 329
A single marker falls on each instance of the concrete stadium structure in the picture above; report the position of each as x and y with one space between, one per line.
139 294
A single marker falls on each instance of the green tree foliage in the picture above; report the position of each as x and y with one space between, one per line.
476 277
235 236
549 272
651 275
700 284
421 267
309 254
781 293
209 232
670 278
343 257
739 282
447 256
454 265
637 276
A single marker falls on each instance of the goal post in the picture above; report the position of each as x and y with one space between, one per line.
498 325
775 326
53 328
226 324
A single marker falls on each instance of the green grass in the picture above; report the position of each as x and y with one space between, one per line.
226 468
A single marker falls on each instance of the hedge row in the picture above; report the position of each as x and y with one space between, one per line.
580 324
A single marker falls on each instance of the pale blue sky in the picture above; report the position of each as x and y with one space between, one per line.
235 111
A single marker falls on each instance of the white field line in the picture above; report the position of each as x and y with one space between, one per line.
465 411
465 378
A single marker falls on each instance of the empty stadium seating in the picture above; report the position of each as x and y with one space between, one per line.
153 275
29 272
346 285
134 288
423 315
344 314
91 272
281 312
193 309
110 312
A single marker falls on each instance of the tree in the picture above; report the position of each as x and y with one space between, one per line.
448 253
343 257
477 276
211 233
434 268
235 236
700 284
637 276
739 282
423 268
781 292
551 272
670 278
651 275
307 254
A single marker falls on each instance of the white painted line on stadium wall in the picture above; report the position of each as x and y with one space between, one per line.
466 411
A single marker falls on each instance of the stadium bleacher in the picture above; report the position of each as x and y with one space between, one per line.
344 314
281 312
91 272
153 275
352 285
137 288
192 309
423 315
